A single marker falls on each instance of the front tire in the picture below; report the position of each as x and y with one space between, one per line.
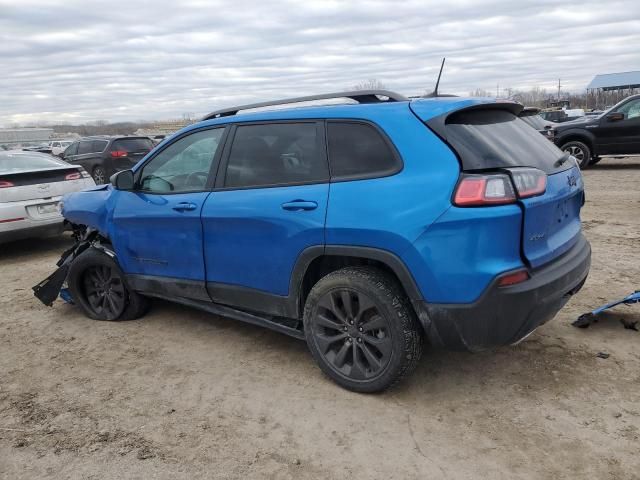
361 329
580 151
97 284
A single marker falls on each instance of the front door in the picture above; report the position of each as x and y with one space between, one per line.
157 227
269 205
621 136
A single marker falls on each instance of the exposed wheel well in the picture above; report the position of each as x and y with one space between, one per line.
325 264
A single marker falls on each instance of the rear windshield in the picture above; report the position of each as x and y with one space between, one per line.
16 162
133 144
488 139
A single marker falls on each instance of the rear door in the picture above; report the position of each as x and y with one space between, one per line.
494 139
268 206
157 227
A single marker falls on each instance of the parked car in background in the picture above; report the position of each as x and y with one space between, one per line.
59 146
531 116
41 148
614 132
361 228
31 186
103 156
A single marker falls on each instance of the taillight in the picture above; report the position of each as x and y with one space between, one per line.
512 278
477 190
73 176
529 182
119 153
6 184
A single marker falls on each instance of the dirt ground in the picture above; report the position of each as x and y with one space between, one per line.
184 394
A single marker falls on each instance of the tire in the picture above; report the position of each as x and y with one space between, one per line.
97 284
580 151
361 329
99 175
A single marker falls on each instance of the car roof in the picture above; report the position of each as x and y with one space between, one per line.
428 107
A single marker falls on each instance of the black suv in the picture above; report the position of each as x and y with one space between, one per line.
103 156
615 132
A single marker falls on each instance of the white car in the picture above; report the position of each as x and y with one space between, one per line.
59 146
31 187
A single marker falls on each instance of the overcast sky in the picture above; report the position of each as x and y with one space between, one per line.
79 61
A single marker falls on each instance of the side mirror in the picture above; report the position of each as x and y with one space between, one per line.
122 180
615 117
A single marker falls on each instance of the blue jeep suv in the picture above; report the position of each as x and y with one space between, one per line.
362 227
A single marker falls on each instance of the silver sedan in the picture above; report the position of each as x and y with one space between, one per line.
31 187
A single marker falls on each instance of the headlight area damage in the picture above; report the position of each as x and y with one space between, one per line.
50 288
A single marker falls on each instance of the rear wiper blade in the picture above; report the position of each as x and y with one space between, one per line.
562 160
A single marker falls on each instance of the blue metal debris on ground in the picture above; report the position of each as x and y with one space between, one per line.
586 319
66 296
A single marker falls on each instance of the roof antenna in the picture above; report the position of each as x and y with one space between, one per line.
435 91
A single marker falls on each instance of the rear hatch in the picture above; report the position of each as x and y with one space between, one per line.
491 138
126 152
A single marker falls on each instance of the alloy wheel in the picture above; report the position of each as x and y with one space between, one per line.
104 291
99 176
352 334
576 152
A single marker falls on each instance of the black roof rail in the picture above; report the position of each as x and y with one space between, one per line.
360 96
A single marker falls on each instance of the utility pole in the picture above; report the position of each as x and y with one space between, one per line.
558 90
497 90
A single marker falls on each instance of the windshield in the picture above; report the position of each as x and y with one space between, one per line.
11 162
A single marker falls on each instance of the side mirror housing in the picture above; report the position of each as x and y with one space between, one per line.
123 180
615 117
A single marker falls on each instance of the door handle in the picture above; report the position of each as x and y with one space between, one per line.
297 205
184 206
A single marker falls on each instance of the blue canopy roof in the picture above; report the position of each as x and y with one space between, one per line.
610 81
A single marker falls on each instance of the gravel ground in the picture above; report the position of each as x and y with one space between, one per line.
184 394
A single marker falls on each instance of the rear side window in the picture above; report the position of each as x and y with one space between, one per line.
85 147
133 145
489 139
358 150
99 146
276 154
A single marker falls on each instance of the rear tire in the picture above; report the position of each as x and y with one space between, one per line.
361 329
97 285
580 151
99 175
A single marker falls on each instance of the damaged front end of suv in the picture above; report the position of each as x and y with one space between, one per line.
86 213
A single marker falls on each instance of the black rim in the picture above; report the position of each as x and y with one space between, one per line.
352 335
104 291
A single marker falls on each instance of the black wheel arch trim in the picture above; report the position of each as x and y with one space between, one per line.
576 135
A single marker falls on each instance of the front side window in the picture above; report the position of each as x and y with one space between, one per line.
630 109
359 150
184 165
72 149
276 154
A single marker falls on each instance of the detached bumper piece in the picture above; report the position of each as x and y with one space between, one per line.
587 319
48 289
505 315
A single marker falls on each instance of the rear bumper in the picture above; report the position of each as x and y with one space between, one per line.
19 220
504 315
